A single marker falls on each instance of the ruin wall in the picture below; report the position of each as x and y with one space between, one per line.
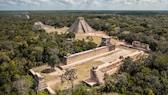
86 54
140 45
106 67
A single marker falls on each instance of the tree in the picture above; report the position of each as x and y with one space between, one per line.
70 35
161 62
90 38
69 75
110 83
22 86
148 91
91 45
126 66
53 61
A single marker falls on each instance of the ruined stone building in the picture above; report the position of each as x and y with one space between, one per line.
39 26
104 48
105 41
139 45
97 72
39 83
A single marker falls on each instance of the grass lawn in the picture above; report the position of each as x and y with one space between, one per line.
50 77
59 30
61 86
47 76
83 71
96 39
113 41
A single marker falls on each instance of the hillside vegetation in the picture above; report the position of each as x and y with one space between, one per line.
21 49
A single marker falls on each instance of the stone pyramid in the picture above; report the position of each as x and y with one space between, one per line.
80 26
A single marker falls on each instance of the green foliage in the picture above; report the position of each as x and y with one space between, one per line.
141 77
71 35
148 91
21 49
81 89
53 61
69 75
22 86
81 45
110 83
161 62
43 93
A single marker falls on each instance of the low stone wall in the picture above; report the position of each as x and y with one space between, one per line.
138 45
86 54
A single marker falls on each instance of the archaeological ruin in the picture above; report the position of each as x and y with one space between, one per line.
105 47
97 72
39 26
39 83
81 26
141 46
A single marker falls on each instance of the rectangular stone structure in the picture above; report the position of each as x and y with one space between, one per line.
97 73
69 59
138 44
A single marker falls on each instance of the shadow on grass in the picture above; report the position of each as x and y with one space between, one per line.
49 70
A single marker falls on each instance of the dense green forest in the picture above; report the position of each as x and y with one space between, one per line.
21 49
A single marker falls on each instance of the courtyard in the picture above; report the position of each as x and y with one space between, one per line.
83 70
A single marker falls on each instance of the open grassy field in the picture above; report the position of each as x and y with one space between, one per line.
59 30
48 77
53 79
96 38
83 71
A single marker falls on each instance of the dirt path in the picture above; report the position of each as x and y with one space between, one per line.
98 34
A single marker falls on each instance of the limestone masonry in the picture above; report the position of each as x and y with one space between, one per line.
81 26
